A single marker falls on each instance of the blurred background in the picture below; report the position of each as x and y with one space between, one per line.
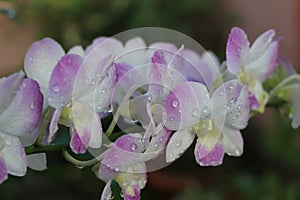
270 165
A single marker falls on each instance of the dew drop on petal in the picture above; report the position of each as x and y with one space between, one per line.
32 106
195 112
161 139
156 144
175 103
149 98
103 91
205 110
93 82
178 143
55 88
237 151
230 87
133 147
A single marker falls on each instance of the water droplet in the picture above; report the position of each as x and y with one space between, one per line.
117 169
161 139
237 151
69 61
55 88
178 143
149 98
171 155
93 82
133 147
230 87
24 85
233 124
205 110
32 106
195 112
134 120
156 144
103 91
175 103
98 107
109 109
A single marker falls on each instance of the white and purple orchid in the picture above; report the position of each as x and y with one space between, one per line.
20 110
215 120
252 65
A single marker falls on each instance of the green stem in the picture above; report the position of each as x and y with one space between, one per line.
81 163
48 112
45 148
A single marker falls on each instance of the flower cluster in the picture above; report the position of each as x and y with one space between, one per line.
161 97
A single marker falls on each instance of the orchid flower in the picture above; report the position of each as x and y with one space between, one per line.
68 94
216 121
252 65
20 109
125 161
288 90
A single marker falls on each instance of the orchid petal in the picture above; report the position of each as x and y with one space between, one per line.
53 127
94 68
236 50
180 113
157 70
107 193
78 50
260 45
103 45
195 68
223 99
205 157
62 80
135 43
40 60
3 170
87 124
24 112
158 144
79 144
8 88
132 193
30 138
264 65
179 142
239 114
14 155
37 161
163 46
233 142
126 151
